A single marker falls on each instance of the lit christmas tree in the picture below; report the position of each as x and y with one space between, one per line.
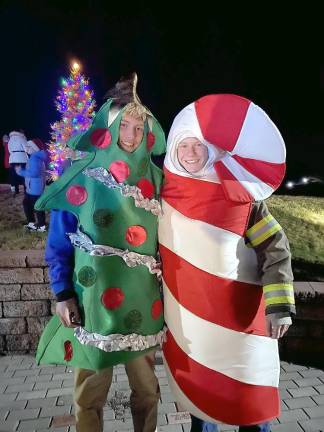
76 105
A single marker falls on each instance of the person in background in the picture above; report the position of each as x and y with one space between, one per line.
17 156
35 177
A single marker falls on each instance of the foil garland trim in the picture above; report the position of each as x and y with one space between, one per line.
104 176
120 342
132 259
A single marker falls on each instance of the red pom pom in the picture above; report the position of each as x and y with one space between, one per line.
150 140
136 235
120 170
156 309
76 195
112 298
68 350
100 138
146 187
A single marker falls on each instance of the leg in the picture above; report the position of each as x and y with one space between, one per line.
90 395
145 392
40 215
28 208
262 427
198 425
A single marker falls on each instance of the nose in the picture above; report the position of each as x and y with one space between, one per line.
130 134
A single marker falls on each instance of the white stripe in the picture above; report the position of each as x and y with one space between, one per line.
259 138
212 249
182 399
245 357
257 188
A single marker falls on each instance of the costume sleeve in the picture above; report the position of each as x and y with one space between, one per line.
271 246
59 253
33 171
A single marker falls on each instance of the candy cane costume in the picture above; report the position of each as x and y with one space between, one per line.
220 363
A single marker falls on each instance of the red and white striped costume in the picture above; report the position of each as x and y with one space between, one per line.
220 363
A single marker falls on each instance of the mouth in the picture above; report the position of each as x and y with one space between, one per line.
191 161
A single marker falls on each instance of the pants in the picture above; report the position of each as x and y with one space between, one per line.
198 425
28 204
91 390
14 179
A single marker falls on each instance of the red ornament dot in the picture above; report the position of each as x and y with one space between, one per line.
101 138
76 195
112 298
150 140
120 170
156 309
68 350
136 235
146 187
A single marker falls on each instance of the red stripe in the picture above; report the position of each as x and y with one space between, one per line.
221 118
268 172
235 305
205 201
220 397
233 189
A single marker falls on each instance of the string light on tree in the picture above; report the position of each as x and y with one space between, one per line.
75 102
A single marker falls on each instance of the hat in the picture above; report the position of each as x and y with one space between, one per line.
38 142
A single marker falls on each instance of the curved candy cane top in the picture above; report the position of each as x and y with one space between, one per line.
246 150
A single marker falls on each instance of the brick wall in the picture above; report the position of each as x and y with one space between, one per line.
304 342
26 305
26 301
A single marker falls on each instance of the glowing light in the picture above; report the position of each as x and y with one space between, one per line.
305 180
290 185
75 66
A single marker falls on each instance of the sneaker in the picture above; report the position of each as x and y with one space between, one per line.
31 226
41 228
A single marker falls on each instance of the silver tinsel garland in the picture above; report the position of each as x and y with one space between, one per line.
132 259
119 342
105 177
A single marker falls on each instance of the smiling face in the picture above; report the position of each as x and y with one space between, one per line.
192 154
131 132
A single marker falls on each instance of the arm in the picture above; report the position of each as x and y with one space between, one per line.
59 255
271 246
33 170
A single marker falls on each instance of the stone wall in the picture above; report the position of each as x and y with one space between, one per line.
26 302
26 305
304 342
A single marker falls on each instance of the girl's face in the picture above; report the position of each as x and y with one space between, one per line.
192 154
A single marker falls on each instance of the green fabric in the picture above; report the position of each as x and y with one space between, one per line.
105 217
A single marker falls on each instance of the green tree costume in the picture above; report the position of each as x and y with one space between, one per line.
114 196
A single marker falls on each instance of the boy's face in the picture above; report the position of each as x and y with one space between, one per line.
131 132
192 154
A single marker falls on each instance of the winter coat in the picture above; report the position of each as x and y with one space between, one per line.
16 147
34 173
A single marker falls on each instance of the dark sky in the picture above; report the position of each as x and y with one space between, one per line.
269 58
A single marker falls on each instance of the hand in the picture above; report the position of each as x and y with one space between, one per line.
68 312
275 330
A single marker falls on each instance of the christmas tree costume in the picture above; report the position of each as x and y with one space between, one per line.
220 363
114 195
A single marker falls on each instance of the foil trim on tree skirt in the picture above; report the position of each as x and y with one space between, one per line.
119 342
105 177
132 259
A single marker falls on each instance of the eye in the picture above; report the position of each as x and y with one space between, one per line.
140 129
123 125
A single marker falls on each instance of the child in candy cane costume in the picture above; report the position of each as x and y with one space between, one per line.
219 246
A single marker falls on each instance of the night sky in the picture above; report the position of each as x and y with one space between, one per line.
269 58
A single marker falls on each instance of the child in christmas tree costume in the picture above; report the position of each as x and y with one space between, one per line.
105 274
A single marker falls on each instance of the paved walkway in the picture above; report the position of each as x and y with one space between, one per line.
39 398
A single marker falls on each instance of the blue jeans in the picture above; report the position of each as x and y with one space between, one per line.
198 425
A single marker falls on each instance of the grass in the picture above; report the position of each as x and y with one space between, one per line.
301 217
13 236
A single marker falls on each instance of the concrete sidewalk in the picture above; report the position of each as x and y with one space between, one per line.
39 398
